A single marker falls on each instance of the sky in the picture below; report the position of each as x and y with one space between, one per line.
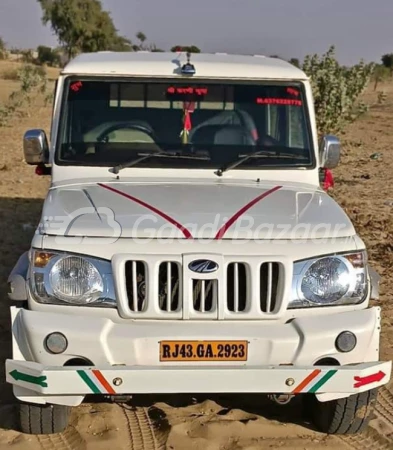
289 28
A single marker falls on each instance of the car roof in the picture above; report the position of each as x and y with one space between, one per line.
165 64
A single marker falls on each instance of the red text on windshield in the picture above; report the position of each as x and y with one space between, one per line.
278 101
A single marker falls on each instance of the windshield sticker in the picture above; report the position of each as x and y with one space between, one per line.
278 101
77 86
293 91
198 91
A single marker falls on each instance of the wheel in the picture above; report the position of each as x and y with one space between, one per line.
43 419
349 415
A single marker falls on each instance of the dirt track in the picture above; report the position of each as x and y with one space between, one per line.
236 423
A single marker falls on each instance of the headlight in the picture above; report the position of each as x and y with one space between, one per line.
57 278
330 280
76 280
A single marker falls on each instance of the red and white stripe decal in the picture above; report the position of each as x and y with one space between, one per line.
235 217
221 232
104 382
184 230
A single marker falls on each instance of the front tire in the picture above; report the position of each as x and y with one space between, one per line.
349 415
43 419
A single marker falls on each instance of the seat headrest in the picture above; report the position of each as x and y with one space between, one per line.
232 135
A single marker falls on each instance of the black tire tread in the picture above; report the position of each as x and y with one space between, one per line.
345 416
43 419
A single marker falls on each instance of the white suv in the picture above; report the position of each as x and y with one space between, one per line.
186 246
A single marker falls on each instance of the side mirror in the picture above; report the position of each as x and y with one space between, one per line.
329 152
35 147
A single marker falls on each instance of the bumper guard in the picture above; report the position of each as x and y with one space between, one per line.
113 380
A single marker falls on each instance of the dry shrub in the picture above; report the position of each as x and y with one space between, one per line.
10 74
33 81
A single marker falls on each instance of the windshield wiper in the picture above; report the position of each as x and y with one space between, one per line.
145 156
265 153
133 162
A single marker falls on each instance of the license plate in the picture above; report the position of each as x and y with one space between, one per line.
203 350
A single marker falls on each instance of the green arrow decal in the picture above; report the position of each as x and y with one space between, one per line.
41 381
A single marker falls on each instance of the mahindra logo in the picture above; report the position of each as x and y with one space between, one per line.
203 266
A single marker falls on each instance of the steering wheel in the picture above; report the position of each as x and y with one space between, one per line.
139 126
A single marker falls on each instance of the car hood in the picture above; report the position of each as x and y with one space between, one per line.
192 210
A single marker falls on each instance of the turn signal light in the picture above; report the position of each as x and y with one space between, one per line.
41 259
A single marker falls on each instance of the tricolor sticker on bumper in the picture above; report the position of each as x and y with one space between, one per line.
115 380
21 376
313 382
96 382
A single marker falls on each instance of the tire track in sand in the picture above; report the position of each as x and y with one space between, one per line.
371 439
141 431
68 440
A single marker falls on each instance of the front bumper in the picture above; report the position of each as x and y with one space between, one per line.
178 379
282 357
111 341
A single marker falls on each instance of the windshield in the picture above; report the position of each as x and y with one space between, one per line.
184 124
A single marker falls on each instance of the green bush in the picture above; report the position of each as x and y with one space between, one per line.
387 61
186 48
27 56
380 74
32 77
48 56
336 90
32 80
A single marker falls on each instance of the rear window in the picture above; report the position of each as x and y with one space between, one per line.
189 124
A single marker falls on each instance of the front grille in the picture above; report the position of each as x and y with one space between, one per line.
169 286
238 280
237 287
204 295
240 289
135 273
269 278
